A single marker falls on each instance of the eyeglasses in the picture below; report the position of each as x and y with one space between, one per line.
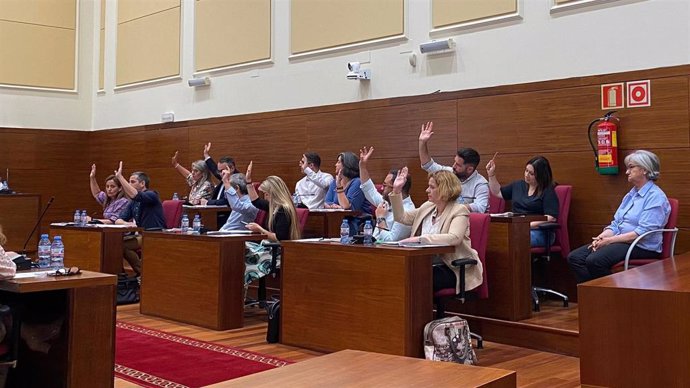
66 271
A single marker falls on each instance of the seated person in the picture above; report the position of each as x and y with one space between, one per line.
386 228
7 267
475 188
312 188
113 199
198 180
145 211
243 212
218 195
440 220
644 208
345 192
532 195
282 222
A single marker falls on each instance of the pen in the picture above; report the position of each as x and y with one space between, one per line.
246 223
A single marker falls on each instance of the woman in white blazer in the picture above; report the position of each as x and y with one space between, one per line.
440 220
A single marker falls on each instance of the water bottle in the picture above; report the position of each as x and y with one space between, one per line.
77 218
57 253
196 224
175 197
368 231
184 225
344 232
44 251
83 218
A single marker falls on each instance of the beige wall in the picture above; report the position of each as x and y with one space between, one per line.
38 43
449 12
317 24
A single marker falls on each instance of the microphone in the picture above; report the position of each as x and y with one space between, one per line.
38 222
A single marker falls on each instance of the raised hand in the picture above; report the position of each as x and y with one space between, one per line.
400 180
248 175
226 176
365 154
118 172
207 148
174 160
491 168
426 132
93 171
381 209
303 163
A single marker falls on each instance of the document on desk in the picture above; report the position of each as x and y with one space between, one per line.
327 210
228 232
203 206
507 214
114 226
32 274
319 239
62 224
411 244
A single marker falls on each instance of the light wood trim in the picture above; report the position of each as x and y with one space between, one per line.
448 12
323 24
231 32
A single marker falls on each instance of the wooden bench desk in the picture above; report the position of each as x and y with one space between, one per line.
325 223
18 215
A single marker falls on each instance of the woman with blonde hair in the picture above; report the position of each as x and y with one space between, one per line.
440 220
199 180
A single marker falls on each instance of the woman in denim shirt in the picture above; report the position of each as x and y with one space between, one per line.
644 208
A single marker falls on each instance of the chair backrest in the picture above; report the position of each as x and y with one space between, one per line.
670 224
563 192
496 204
479 234
302 215
172 212
260 218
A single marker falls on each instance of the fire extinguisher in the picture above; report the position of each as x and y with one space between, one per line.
606 150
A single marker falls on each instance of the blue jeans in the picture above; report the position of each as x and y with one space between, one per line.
538 237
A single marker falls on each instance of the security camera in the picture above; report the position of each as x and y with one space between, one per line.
205 81
353 67
356 72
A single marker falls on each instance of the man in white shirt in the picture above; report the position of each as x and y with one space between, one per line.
475 188
311 190
386 228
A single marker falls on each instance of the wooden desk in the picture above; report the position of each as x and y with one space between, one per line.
92 248
84 353
508 267
18 215
325 223
195 279
353 368
371 298
634 329
209 215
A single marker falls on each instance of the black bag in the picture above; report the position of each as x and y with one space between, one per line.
127 289
273 332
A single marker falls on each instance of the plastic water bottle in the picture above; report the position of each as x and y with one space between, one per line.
77 218
196 224
344 232
44 251
57 253
83 218
184 225
368 231
175 197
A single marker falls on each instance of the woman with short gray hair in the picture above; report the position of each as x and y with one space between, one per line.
198 180
644 208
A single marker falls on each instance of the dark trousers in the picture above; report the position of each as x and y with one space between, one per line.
587 264
444 277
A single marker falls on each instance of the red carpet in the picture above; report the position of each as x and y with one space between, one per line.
153 358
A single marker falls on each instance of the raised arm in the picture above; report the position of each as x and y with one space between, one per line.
424 136
364 155
250 187
399 213
129 190
494 186
177 166
95 190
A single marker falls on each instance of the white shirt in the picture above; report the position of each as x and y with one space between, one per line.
313 187
475 189
397 230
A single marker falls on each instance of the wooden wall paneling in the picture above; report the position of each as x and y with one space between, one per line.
162 143
110 147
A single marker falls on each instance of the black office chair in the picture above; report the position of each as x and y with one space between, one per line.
9 347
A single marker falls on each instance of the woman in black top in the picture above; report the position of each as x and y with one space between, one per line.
532 195
277 202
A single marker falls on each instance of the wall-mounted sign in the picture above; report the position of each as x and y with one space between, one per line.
612 96
639 94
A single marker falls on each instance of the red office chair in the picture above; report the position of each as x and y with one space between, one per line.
172 212
479 236
560 245
260 218
670 232
496 204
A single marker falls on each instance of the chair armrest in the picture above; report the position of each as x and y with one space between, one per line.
549 226
640 237
463 262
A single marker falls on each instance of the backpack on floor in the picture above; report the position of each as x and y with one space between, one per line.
448 339
273 332
127 289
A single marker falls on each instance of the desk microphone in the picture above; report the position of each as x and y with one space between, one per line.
22 262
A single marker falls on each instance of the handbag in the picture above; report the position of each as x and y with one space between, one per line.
448 339
127 289
273 332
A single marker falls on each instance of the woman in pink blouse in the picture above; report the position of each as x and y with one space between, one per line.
199 179
112 199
